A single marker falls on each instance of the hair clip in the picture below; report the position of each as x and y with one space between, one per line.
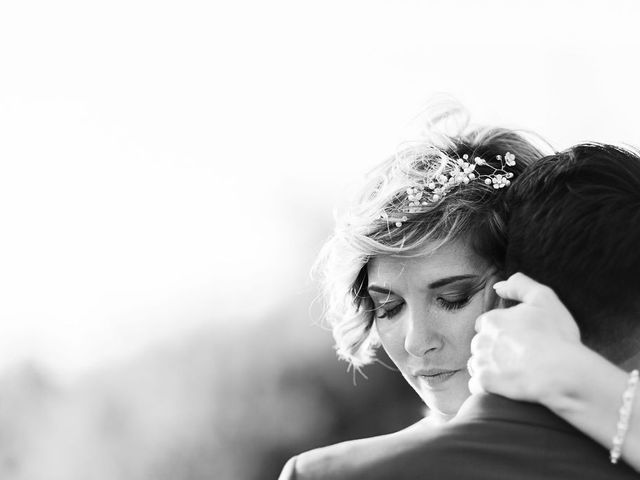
461 172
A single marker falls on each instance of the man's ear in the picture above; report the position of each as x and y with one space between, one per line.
491 298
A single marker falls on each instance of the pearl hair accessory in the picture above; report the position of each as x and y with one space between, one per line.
461 171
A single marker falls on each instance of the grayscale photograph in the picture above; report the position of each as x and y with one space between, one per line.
304 240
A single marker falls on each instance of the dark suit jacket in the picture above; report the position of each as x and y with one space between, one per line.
491 438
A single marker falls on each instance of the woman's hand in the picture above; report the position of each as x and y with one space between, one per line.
532 352
520 352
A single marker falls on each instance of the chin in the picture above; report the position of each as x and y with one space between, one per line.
447 403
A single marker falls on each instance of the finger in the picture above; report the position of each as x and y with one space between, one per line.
524 289
474 386
482 381
481 343
491 320
472 366
483 320
478 365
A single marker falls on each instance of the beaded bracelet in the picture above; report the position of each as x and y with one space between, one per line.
623 418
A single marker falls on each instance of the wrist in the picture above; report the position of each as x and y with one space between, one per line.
563 389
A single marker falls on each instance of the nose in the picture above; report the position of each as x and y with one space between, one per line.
421 335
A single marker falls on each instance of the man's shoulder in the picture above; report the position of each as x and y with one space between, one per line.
370 458
498 438
495 439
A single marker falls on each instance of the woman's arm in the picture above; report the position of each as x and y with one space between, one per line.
532 352
588 395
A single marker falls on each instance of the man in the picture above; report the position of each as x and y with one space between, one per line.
574 225
533 351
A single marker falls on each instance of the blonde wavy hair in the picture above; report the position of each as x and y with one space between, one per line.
367 228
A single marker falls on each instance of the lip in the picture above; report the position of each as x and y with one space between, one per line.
435 377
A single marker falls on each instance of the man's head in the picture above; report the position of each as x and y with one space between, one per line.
574 225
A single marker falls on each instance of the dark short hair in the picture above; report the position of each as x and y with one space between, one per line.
574 225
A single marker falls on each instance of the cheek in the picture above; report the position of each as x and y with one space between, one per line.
462 328
392 339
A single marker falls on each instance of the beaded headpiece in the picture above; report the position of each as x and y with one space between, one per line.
462 171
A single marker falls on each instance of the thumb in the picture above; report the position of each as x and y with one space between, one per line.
524 289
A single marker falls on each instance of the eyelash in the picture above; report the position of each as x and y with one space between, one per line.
453 305
444 304
389 313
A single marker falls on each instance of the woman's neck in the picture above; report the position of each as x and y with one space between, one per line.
438 418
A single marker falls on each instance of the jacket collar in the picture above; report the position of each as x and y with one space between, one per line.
486 406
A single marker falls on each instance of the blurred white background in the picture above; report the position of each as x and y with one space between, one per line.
171 166
162 162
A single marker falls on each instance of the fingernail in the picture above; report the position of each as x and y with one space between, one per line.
498 285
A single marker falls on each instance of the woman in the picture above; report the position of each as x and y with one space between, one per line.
412 264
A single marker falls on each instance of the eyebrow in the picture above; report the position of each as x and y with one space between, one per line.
437 284
375 288
447 280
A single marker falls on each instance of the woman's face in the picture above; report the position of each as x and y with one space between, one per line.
425 312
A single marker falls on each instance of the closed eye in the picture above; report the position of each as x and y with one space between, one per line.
461 300
388 310
453 304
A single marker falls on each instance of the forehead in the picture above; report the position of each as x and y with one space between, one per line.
454 258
